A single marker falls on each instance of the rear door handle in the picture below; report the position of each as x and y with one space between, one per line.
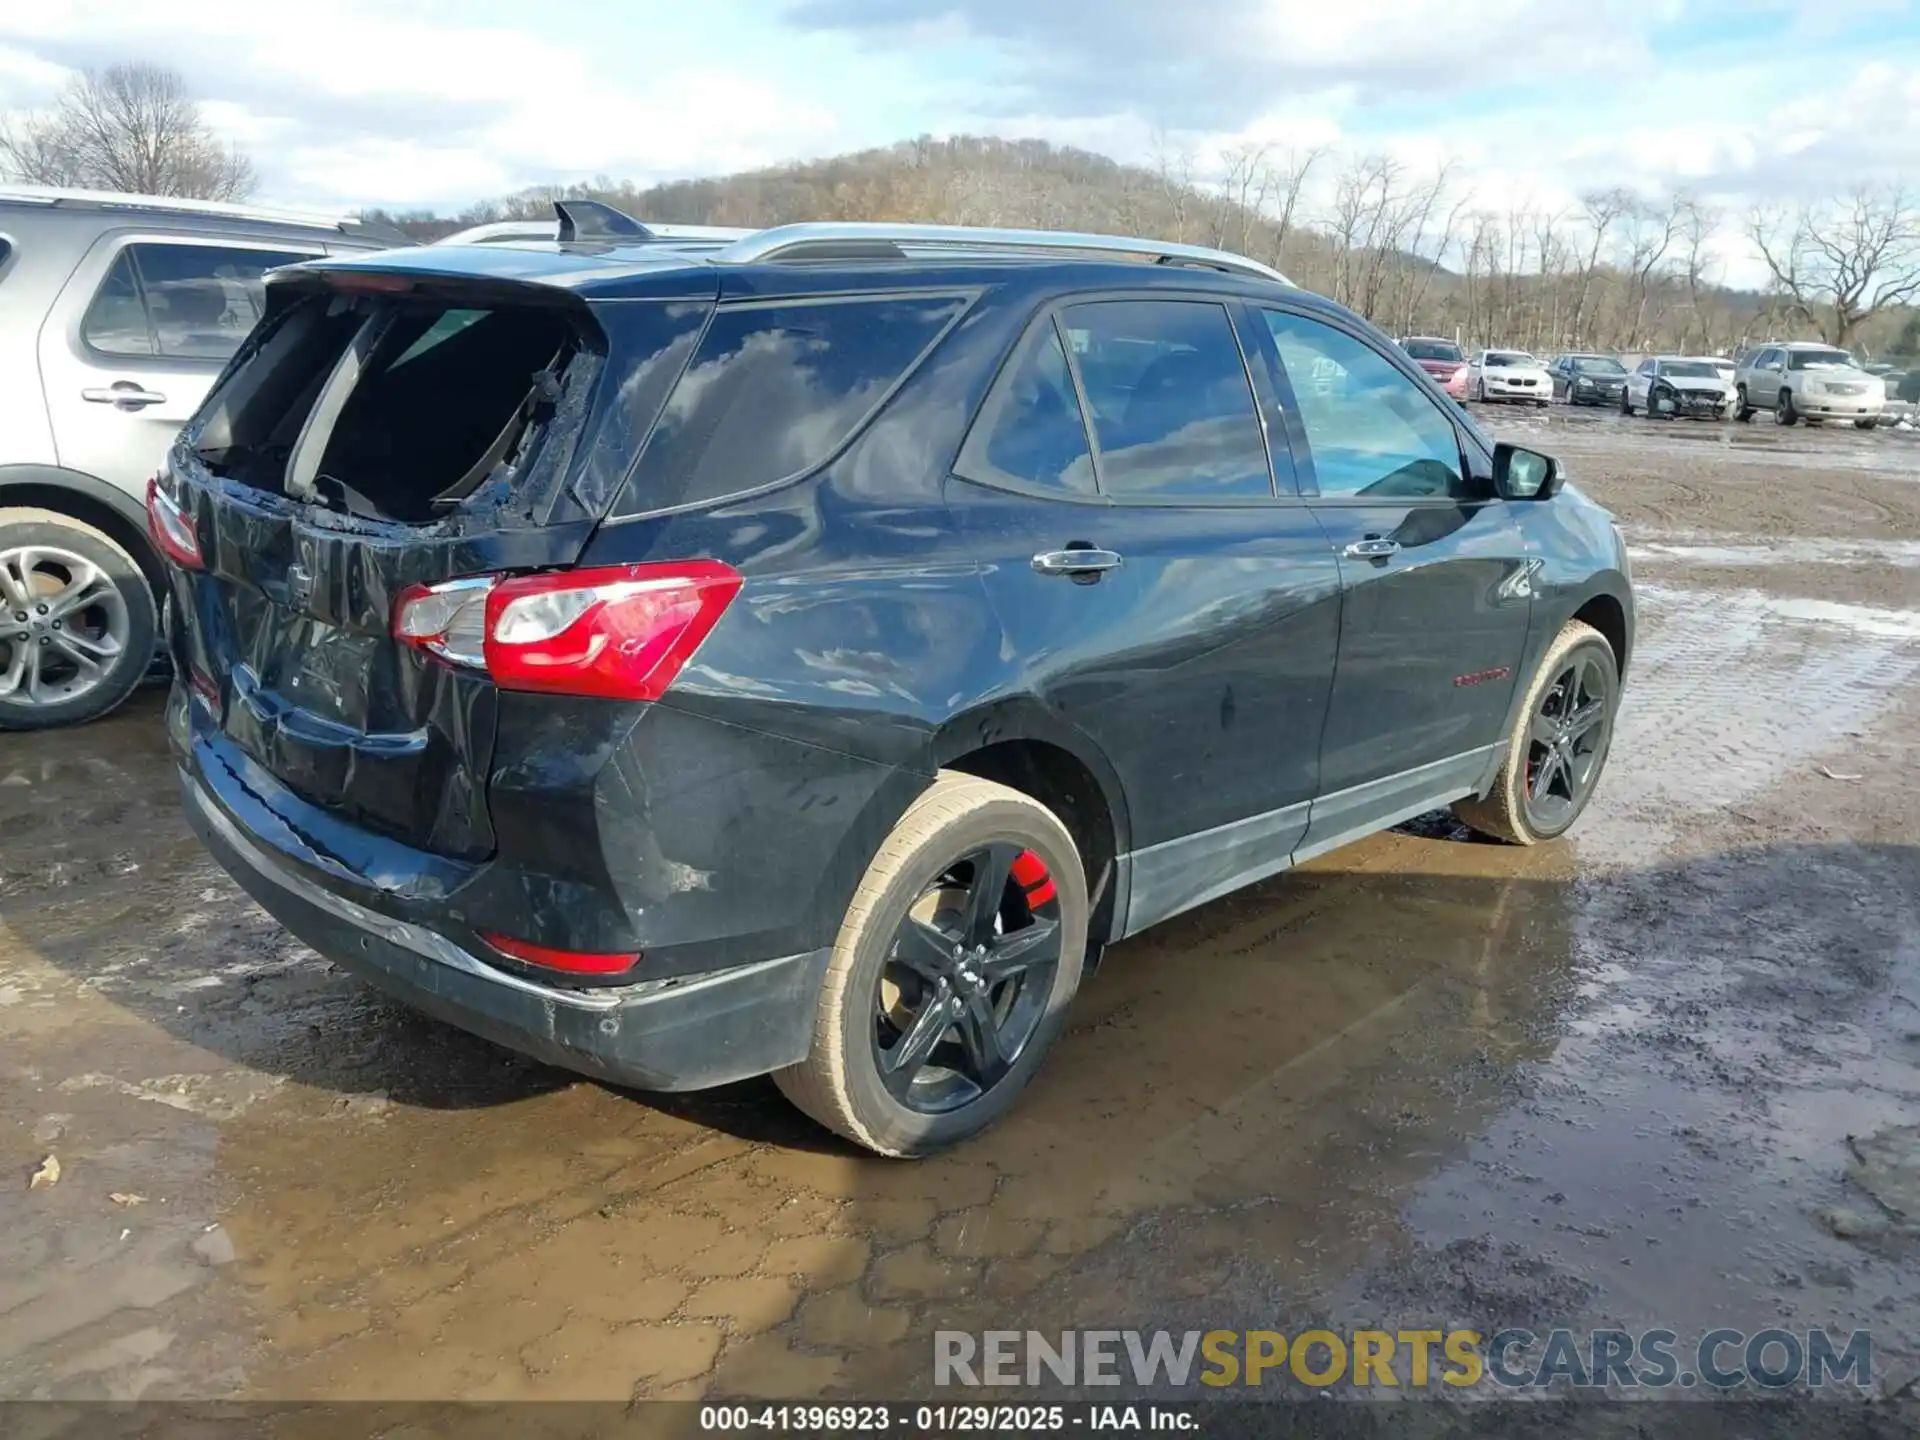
1373 548
1075 561
126 394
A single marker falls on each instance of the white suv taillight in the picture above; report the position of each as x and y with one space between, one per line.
171 529
620 631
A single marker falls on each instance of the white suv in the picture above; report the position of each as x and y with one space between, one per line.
1803 381
117 312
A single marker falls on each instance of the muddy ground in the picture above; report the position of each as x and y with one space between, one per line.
1422 1081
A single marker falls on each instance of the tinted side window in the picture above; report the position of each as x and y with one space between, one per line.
1031 430
116 321
1372 431
184 302
775 389
1173 410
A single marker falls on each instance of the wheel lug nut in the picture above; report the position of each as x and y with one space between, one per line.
41 608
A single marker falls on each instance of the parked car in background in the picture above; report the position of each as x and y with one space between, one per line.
1588 379
1508 375
1442 359
1669 386
803 656
116 314
1808 381
1725 369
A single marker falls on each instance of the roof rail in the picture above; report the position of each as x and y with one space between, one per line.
866 240
499 231
63 198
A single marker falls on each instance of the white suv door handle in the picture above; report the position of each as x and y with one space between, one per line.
1373 548
124 393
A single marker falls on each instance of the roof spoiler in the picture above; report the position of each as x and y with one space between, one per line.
591 220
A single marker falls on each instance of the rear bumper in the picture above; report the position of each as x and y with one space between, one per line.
670 1034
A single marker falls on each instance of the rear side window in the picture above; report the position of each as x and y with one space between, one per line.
1172 408
1031 432
775 389
181 302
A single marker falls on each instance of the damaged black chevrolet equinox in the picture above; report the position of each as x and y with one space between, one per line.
801 653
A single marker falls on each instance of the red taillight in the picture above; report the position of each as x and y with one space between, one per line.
574 962
172 531
620 631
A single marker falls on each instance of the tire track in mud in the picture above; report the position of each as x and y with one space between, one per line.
1728 692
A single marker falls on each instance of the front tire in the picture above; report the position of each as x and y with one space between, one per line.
1626 402
77 621
1865 424
952 974
1741 409
1558 745
1783 411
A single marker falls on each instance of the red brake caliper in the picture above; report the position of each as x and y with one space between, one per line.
1030 874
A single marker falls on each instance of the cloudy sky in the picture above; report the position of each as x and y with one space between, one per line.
347 102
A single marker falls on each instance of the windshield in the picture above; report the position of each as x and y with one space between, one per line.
1433 350
1598 365
1506 359
1689 369
1820 360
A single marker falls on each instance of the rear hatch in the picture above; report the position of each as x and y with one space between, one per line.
393 423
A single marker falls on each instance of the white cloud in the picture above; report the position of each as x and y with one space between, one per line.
354 102
348 101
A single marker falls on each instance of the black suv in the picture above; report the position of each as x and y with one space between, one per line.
683 661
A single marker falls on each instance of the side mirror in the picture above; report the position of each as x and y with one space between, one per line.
1524 474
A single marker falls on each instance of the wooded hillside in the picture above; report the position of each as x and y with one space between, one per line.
1412 252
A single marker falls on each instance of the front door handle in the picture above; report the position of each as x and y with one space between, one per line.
1373 548
126 394
1076 561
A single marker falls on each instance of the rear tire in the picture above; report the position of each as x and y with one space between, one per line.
88 661
1507 811
841 1083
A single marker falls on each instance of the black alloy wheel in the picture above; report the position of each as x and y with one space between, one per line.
968 979
1567 742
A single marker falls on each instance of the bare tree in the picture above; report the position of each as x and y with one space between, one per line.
1840 264
1286 179
1244 178
1697 222
1651 227
131 128
1602 209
